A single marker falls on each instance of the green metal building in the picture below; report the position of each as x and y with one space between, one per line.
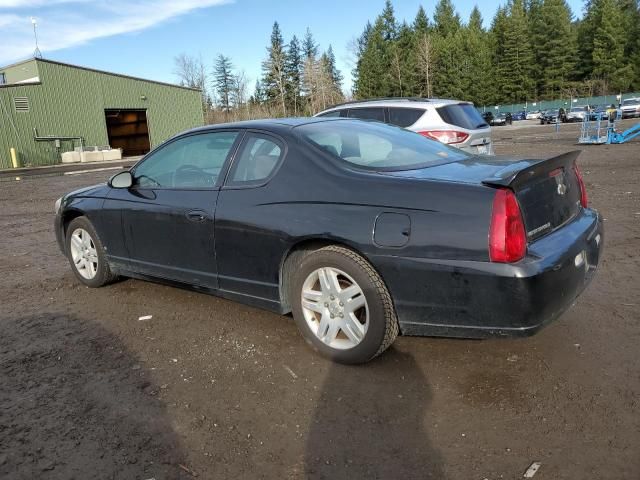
47 108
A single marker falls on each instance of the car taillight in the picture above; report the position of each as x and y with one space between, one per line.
445 136
583 190
507 238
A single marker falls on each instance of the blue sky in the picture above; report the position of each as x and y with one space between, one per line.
141 38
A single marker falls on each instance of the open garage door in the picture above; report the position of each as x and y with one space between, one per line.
128 130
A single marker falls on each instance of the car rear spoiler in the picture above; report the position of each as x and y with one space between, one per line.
521 172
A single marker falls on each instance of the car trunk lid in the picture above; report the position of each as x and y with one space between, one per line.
548 190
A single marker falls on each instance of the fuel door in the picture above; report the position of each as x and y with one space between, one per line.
392 230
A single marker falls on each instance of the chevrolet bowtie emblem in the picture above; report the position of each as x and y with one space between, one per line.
562 189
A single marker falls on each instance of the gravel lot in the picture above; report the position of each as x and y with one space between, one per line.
214 389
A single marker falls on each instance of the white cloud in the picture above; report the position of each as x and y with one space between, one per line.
68 23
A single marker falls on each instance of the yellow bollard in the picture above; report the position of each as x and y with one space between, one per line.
14 157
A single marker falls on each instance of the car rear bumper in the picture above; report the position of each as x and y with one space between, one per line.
472 299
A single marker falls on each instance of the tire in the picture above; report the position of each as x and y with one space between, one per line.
87 259
336 327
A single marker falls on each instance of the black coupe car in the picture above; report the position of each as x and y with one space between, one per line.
361 229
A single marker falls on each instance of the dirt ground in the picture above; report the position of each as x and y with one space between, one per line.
217 390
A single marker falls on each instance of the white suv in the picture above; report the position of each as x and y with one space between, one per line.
453 122
630 108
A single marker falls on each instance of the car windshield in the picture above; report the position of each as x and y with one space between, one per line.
577 109
631 101
377 146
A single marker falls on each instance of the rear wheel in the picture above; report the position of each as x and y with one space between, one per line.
86 254
341 305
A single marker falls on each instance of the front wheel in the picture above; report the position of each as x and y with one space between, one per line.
86 254
341 305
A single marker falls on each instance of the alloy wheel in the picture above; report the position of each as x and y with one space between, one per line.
83 253
335 308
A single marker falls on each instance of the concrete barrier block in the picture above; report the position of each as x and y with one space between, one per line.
70 157
91 157
115 154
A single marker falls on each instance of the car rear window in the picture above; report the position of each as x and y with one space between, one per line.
463 115
378 146
404 117
367 113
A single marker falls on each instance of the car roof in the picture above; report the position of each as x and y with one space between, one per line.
271 124
266 123
403 102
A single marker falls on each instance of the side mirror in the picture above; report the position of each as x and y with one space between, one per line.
121 180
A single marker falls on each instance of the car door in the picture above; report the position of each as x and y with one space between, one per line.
245 241
167 216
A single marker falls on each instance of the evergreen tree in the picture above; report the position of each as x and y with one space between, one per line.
421 22
372 71
334 73
391 54
449 52
446 20
258 93
555 58
631 14
293 73
515 79
538 33
609 62
309 46
403 63
274 79
585 33
497 37
423 54
475 20
449 81
223 80
389 25
478 84
358 73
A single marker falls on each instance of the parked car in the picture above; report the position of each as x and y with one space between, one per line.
533 115
488 116
549 116
578 114
522 115
553 116
630 107
599 112
361 229
453 122
499 120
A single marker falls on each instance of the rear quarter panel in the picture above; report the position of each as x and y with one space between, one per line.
314 196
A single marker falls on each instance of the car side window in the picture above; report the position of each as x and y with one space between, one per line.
367 113
258 158
404 117
194 161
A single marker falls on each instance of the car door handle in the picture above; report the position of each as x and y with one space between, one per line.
196 216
